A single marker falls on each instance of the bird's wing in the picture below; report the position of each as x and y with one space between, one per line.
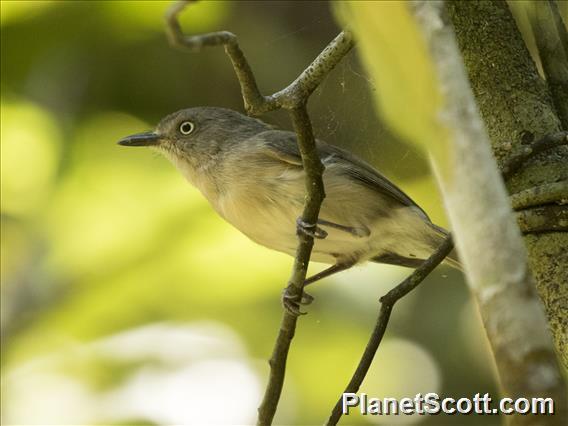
283 147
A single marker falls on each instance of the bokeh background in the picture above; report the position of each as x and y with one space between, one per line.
125 299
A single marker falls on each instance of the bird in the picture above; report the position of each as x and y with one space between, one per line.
251 173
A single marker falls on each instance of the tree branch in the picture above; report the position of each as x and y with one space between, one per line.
387 304
315 195
548 193
543 219
300 89
293 98
252 97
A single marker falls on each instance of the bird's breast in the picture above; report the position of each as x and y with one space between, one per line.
263 212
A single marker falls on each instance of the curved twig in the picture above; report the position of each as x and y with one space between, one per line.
253 99
387 304
291 97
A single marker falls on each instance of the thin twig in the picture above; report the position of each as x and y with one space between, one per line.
315 195
387 304
252 97
300 89
515 162
293 98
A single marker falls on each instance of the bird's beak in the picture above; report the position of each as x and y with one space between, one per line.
141 139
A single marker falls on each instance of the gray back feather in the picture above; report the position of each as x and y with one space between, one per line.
286 149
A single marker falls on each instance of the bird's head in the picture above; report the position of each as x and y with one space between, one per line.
198 136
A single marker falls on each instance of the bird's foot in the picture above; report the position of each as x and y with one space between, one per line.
358 232
307 299
292 302
310 229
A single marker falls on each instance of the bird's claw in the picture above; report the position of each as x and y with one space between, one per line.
291 303
310 229
307 299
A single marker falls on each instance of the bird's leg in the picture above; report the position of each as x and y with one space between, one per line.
338 267
291 303
315 231
310 229
355 231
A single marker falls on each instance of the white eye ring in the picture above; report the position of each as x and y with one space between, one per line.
186 127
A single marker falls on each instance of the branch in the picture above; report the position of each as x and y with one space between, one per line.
543 219
548 193
315 195
387 304
300 89
251 95
516 161
293 98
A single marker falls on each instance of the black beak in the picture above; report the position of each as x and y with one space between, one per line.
141 139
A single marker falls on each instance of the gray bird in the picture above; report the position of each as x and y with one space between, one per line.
252 175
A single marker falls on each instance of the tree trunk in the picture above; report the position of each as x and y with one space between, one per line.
516 107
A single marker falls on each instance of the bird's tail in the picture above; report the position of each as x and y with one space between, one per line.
451 259
437 237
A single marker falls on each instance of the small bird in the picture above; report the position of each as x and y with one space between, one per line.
251 173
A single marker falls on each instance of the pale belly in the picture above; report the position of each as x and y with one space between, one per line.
273 225
271 221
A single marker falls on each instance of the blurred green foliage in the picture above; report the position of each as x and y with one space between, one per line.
124 297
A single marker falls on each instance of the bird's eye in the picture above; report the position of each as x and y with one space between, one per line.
186 127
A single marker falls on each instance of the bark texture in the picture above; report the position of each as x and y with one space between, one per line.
517 108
